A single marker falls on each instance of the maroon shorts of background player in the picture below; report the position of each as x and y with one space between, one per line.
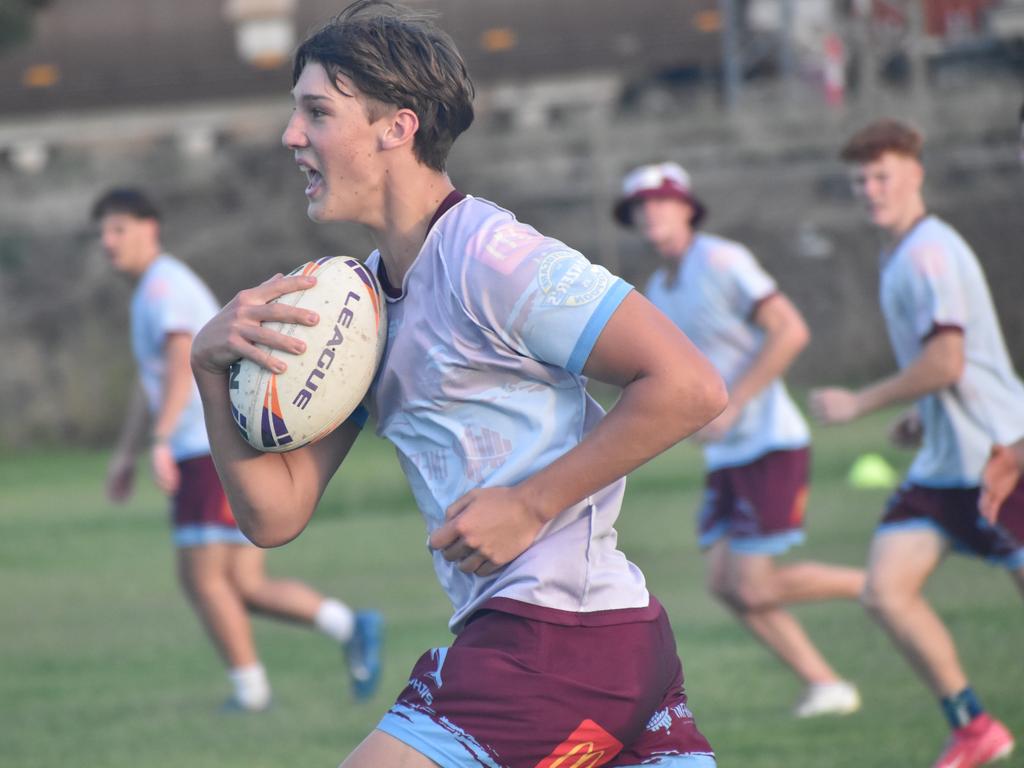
200 500
955 512
515 690
765 499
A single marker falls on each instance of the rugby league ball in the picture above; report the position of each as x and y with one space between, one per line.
325 384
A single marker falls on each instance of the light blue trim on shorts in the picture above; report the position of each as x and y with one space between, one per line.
914 524
1010 562
772 544
200 535
448 745
585 344
689 760
441 741
707 539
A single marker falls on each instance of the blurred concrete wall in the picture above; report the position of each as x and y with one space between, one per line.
234 209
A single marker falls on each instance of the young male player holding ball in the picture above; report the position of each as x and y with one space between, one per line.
757 451
954 364
220 571
562 657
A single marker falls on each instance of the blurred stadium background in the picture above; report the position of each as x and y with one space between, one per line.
188 98
753 96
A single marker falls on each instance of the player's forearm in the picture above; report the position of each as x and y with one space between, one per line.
177 391
1018 452
938 367
777 353
651 416
271 506
133 431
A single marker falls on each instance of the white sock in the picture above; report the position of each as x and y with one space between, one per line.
335 619
252 690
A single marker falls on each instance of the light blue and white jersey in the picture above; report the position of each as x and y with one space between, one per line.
713 301
170 298
931 283
481 385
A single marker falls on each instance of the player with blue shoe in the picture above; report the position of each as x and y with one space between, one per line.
222 574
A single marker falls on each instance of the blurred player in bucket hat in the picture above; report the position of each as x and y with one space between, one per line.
757 451
660 180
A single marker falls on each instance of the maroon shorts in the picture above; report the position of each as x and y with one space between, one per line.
954 513
199 510
759 506
523 693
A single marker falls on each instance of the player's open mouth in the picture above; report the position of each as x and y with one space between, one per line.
314 181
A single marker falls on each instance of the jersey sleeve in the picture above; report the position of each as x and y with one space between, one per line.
540 297
742 278
937 299
175 304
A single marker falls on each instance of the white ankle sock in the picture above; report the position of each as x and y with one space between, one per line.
335 619
252 690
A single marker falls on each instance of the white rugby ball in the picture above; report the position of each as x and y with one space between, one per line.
326 383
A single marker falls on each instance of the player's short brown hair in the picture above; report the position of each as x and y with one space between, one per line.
128 200
874 140
400 59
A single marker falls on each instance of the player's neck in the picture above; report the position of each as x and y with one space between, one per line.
907 221
674 263
143 263
681 247
407 212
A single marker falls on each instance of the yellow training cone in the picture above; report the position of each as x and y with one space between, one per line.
872 471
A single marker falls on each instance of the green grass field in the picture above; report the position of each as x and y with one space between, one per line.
103 665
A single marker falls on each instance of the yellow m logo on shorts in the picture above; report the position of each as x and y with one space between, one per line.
589 746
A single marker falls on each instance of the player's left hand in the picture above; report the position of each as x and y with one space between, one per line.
998 479
834 405
719 428
165 468
121 477
486 529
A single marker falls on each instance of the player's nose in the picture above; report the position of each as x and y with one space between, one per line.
294 135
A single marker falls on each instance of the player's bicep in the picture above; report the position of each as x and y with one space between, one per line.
313 466
944 351
638 340
177 349
177 376
778 315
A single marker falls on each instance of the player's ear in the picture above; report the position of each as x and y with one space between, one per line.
917 172
400 129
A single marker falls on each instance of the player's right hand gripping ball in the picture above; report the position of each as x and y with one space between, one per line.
325 384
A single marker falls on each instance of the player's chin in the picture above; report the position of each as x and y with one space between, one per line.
315 212
878 217
320 213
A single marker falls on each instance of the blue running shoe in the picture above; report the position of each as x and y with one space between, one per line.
362 653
